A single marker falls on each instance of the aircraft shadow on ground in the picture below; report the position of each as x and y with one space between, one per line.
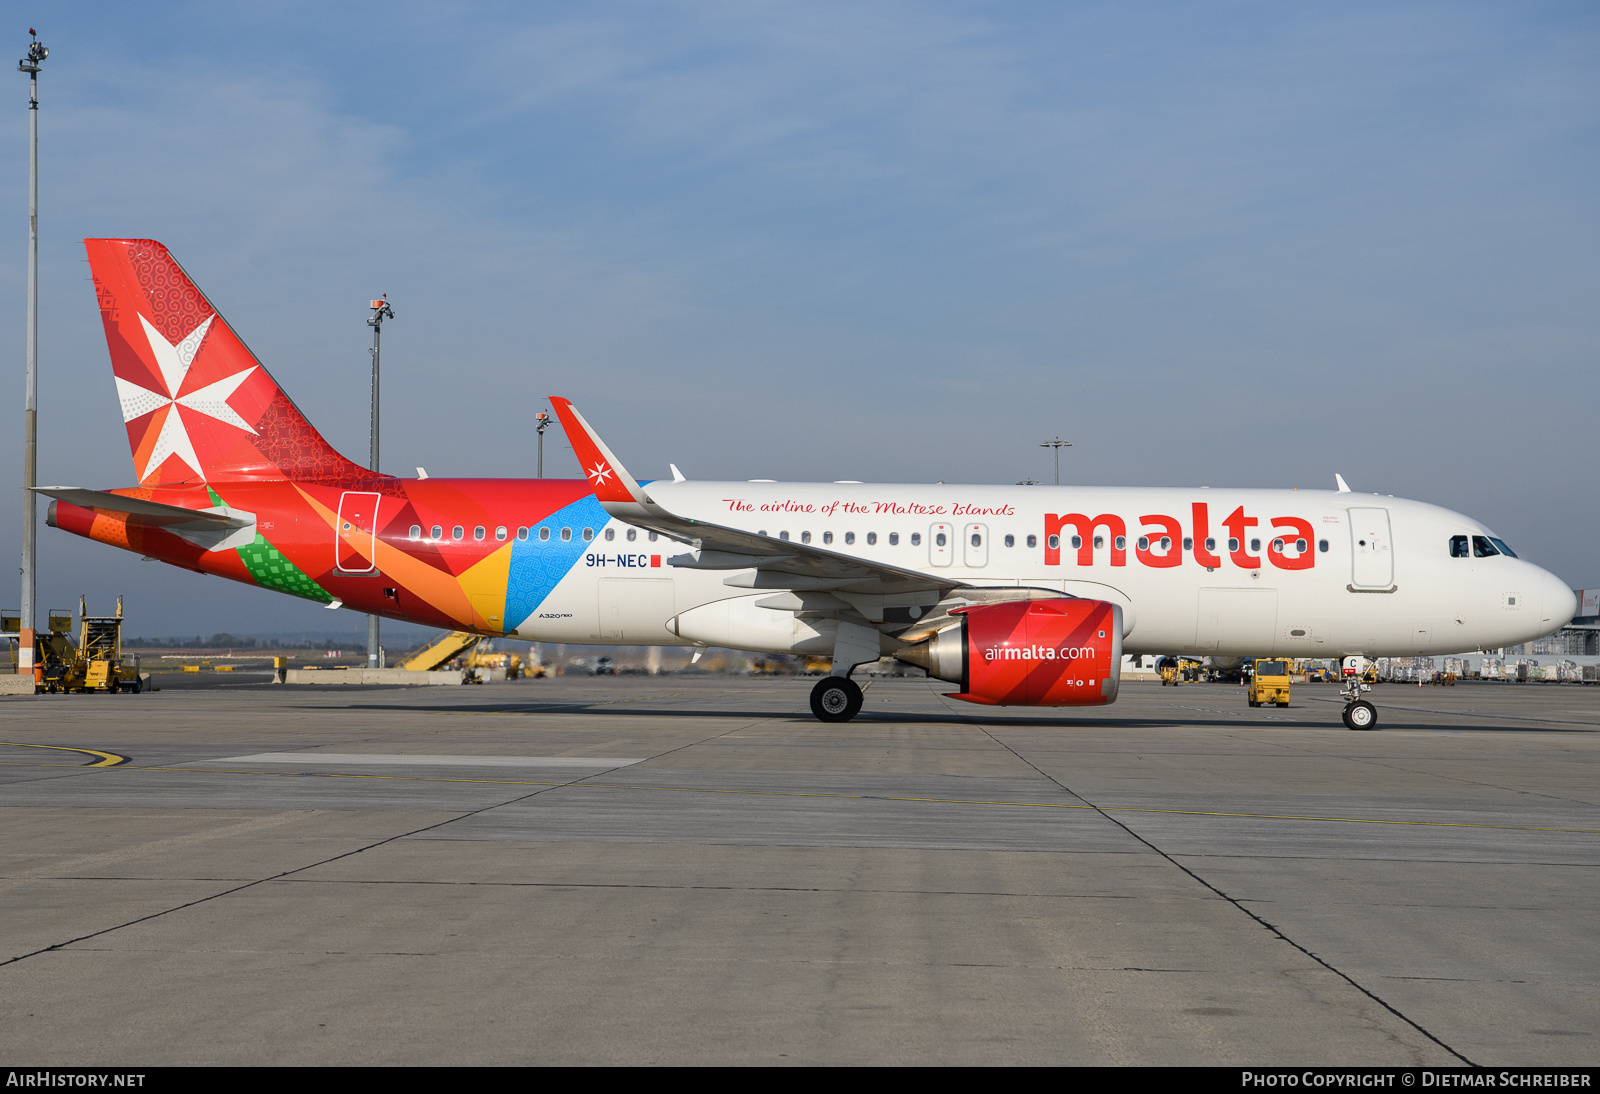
884 717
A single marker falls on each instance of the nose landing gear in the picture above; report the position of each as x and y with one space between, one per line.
1358 713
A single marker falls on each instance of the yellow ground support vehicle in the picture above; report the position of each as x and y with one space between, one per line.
94 663
445 649
1270 684
479 659
1178 670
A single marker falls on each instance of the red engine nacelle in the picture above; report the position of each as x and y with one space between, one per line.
1052 653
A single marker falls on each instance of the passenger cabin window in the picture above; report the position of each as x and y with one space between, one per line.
849 538
1122 543
544 535
416 531
894 539
566 535
916 539
522 533
1099 542
1255 546
457 532
1211 544
478 532
1188 543
805 537
633 534
1458 547
436 532
1233 543
1054 542
977 540
654 537
1144 543
588 535
872 539
827 537
611 534
500 533
1322 545
1011 541
783 536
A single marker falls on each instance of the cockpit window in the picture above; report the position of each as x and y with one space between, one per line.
1500 543
1458 547
1482 548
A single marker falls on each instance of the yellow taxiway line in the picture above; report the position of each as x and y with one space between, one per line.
107 759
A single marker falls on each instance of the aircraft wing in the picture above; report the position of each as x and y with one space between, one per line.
139 511
779 564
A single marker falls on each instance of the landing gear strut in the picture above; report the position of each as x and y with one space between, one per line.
1358 713
835 699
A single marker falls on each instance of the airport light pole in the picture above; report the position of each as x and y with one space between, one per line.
1058 444
380 312
30 412
543 421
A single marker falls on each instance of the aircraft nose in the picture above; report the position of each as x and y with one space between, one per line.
1560 602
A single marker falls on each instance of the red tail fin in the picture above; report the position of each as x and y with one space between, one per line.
198 405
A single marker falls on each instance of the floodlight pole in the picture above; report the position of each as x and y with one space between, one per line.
380 312
542 421
30 412
1058 444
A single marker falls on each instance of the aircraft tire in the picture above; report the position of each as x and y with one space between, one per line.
1361 715
835 699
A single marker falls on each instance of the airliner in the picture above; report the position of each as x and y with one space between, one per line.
1017 595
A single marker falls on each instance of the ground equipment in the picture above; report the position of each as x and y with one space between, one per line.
1270 684
446 649
95 662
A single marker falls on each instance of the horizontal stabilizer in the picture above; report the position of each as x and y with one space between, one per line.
139 511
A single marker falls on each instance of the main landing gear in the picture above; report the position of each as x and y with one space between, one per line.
835 699
838 698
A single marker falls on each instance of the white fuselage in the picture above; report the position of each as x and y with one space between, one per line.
1303 573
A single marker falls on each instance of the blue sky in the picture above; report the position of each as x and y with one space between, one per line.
1248 244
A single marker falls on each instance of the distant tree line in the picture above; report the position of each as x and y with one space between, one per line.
238 642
